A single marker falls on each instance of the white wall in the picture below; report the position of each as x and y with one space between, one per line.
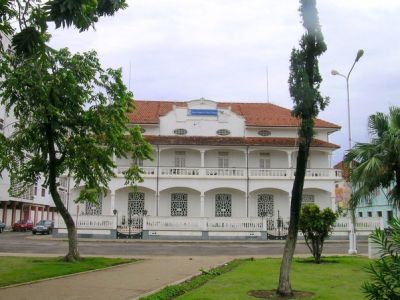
238 202
320 133
281 202
318 159
236 158
202 125
192 157
279 159
193 202
121 202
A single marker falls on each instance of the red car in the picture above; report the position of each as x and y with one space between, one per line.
23 225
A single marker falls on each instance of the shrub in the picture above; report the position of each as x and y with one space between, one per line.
385 272
316 226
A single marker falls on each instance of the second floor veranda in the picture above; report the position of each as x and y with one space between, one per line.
231 162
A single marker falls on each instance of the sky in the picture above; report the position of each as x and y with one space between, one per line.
221 49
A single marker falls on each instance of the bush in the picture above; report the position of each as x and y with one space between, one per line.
385 272
316 226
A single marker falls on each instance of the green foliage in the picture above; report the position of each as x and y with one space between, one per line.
32 18
384 273
304 78
174 291
14 270
338 278
316 226
69 101
377 164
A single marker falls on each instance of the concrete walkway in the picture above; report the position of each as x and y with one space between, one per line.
121 282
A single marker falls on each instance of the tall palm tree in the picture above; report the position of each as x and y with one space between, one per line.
377 164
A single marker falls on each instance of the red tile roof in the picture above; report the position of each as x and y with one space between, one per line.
255 114
231 141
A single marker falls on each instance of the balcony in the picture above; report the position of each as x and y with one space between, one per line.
238 173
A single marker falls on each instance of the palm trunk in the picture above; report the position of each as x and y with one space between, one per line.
284 287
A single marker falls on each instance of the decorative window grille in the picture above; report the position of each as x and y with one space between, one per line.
264 132
265 205
308 199
94 209
265 161
223 159
179 204
1 124
135 203
223 205
180 131
223 132
180 159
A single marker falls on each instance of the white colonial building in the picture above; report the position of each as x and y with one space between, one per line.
34 204
220 170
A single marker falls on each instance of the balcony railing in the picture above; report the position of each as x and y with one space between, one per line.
283 173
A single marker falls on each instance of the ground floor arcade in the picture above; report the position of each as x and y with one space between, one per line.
13 211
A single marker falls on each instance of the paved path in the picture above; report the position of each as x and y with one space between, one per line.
122 282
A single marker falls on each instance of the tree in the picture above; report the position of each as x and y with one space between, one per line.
31 18
316 226
385 272
377 164
71 113
304 82
71 120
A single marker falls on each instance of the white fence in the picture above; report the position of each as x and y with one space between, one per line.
89 222
256 224
212 224
362 224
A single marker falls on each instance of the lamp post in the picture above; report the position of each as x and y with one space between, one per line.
352 237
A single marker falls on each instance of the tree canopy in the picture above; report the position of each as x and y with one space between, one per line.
377 164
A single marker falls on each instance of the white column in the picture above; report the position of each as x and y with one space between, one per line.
330 160
290 202
112 202
157 203
114 159
289 153
202 158
333 201
202 204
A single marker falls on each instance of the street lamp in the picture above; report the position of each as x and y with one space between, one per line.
352 237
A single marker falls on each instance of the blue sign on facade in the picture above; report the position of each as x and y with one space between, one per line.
203 112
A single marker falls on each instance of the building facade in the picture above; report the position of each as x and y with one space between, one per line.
216 167
377 205
34 204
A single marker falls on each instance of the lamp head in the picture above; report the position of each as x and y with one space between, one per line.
359 54
334 72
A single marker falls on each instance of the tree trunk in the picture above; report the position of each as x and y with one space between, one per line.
284 287
73 253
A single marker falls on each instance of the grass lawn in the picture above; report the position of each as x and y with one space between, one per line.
336 278
23 269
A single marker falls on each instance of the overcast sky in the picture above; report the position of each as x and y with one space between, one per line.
219 50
